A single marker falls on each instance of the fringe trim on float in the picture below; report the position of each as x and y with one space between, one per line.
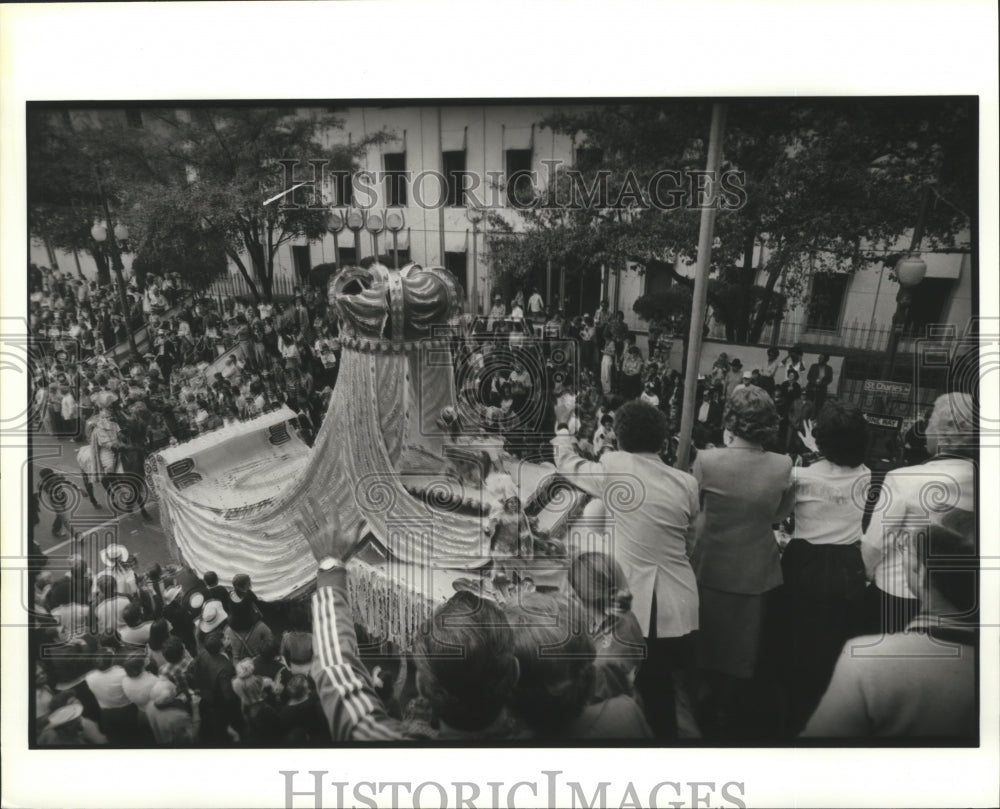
389 609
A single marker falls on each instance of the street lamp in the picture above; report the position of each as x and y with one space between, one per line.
374 224
99 232
356 221
475 215
335 223
910 271
394 221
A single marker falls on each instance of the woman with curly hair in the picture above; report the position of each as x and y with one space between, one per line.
743 490
824 575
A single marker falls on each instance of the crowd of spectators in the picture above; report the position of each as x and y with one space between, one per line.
167 658
700 619
206 362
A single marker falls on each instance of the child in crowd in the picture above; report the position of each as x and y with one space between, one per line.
602 591
604 437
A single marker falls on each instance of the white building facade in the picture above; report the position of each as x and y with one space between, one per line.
492 142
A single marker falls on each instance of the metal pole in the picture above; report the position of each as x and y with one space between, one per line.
336 251
700 295
395 250
116 263
79 269
878 289
440 145
475 269
548 282
905 295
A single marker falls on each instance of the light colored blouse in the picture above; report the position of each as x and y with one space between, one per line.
830 502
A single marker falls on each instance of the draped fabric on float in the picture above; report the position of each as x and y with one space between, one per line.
395 378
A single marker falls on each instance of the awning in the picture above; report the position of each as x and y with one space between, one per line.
517 137
453 140
456 241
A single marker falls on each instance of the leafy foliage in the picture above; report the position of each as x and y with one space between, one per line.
830 185
190 184
211 170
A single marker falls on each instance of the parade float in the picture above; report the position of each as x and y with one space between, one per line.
442 505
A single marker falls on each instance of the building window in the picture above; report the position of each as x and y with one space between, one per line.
458 265
134 118
348 256
826 300
658 278
389 259
928 302
303 262
395 179
520 189
454 172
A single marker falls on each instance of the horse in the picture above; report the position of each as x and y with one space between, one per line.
120 470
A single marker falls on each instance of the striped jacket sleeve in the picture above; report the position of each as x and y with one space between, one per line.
353 710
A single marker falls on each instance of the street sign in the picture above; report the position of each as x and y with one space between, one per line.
886 388
885 398
887 422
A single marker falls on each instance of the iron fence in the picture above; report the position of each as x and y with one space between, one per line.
235 286
854 336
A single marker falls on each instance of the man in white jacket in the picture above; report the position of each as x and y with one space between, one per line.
652 508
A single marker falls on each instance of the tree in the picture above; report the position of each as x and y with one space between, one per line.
828 184
166 243
546 236
189 183
206 174
64 199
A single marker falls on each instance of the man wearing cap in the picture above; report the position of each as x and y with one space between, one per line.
211 622
744 381
497 312
67 725
115 558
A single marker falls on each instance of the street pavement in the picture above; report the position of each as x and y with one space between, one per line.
144 538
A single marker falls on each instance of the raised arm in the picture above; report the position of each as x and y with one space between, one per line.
352 708
590 476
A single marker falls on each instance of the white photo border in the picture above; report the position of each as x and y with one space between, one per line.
393 50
